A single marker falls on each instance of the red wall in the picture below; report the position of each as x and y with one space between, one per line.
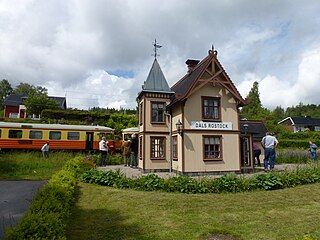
11 109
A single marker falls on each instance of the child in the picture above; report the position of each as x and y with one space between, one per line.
313 151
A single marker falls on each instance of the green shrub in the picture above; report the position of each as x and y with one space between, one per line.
112 159
227 183
269 181
46 218
151 182
181 184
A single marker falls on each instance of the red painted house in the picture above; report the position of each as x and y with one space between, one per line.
14 107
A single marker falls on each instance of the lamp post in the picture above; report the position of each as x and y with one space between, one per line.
170 149
245 126
179 127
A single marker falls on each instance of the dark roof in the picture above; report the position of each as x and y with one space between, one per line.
60 100
183 87
156 82
13 100
256 128
301 121
17 99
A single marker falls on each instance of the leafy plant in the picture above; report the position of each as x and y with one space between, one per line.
269 181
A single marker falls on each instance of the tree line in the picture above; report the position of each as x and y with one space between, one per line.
37 96
37 102
255 111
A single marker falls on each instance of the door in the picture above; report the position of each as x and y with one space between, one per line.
246 156
89 140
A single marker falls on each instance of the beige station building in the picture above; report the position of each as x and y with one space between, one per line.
192 128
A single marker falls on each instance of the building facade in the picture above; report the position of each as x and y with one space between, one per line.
14 107
193 127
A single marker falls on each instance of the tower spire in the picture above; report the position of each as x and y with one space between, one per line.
155 48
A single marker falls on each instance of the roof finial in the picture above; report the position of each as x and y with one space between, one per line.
155 47
215 52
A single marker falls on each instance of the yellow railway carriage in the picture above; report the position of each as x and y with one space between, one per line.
127 133
64 137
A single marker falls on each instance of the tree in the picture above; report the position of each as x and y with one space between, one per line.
36 102
26 89
254 109
5 90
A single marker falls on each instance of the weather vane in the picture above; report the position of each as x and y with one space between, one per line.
155 47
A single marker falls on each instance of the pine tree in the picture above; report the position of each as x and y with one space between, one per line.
254 109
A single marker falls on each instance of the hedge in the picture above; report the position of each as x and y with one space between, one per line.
50 208
230 183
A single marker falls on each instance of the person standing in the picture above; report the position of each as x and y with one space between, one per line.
103 148
313 151
269 144
126 152
45 150
256 154
134 151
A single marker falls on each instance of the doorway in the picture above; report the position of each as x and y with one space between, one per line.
89 140
246 152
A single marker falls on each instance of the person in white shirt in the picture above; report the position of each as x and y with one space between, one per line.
45 150
269 144
103 148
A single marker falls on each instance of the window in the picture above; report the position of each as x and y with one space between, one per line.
108 136
15 133
55 135
158 147
35 134
141 114
140 147
13 115
157 112
0 133
73 135
212 148
211 108
175 147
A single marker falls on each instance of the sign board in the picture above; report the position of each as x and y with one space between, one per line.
211 125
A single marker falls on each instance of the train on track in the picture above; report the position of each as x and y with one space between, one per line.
61 137
26 136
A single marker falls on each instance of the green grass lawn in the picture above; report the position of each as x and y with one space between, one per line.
107 213
31 165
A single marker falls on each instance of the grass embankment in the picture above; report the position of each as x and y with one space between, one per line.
31 165
108 213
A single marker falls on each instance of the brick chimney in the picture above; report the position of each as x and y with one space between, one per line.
191 64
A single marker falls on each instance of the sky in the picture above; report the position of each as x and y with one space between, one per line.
98 53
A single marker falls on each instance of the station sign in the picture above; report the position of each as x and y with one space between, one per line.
211 125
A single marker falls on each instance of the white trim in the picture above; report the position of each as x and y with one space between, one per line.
286 120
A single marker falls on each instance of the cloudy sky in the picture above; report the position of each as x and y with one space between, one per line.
99 52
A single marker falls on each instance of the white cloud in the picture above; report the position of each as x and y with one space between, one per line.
67 46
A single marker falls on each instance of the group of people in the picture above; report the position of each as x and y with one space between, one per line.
129 151
130 148
269 144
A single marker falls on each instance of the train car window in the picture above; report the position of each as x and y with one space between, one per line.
0 133
35 134
127 137
108 136
73 135
54 135
15 133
